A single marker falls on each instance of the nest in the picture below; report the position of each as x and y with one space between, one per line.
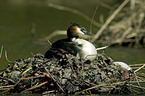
65 76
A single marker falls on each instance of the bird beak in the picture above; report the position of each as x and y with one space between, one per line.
86 35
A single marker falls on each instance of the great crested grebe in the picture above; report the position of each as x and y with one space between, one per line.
73 44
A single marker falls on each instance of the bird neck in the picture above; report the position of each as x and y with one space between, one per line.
72 39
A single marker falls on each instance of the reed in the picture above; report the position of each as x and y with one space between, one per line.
128 30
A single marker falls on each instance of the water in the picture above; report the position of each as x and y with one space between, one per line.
128 55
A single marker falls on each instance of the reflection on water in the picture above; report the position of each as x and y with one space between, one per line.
16 20
128 55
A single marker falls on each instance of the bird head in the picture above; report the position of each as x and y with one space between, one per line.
77 31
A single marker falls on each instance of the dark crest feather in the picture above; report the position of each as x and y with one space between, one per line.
75 24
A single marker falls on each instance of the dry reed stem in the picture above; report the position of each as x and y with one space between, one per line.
49 42
3 87
111 85
12 86
1 51
128 30
6 56
136 68
34 87
101 86
140 78
135 86
139 68
137 79
136 64
93 19
102 48
73 11
32 77
100 2
55 33
132 4
53 79
124 35
133 22
109 20
101 18
26 71
134 90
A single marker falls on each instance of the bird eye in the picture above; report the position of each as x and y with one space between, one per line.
83 29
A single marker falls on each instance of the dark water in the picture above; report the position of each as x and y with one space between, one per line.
128 55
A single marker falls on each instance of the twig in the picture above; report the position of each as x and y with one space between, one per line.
137 80
45 74
133 90
132 4
135 64
102 3
102 48
34 87
141 74
9 86
70 63
73 11
26 70
109 20
139 68
101 18
140 78
126 32
17 83
135 86
32 77
93 19
1 51
49 42
100 86
136 68
7 57
55 33
53 78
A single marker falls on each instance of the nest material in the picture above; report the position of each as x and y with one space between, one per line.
68 76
